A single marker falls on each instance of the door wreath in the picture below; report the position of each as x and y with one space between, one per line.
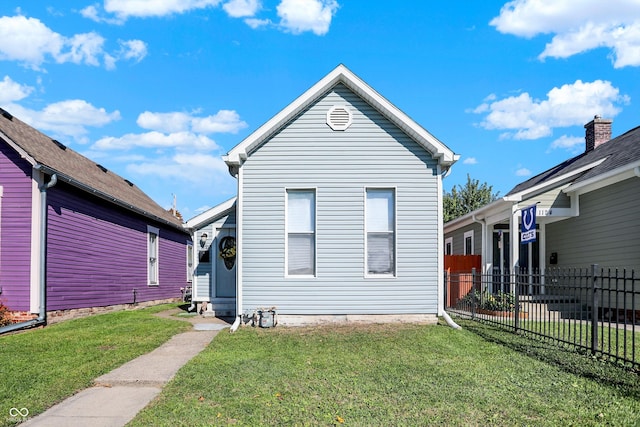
227 250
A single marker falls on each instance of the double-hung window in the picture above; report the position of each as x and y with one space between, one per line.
380 231
301 232
152 252
468 243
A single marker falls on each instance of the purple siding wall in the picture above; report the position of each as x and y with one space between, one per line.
15 229
97 254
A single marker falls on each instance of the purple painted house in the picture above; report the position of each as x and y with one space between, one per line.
74 235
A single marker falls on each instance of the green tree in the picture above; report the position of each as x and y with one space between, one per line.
462 200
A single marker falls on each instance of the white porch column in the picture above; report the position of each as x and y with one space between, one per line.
514 245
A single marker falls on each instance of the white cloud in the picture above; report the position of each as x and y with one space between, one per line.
11 91
124 9
241 8
224 121
155 139
470 161
196 168
82 48
572 144
569 105
69 118
31 43
132 49
523 172
28 40
577 25
298 16
164 122
257 23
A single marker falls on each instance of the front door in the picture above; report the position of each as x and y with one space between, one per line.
501 261
225 263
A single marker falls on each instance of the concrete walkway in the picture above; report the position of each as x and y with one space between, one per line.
119 395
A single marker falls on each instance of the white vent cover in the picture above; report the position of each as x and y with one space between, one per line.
339 117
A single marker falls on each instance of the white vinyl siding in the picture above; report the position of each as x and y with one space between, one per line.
380 234
152 250
301 232
340 166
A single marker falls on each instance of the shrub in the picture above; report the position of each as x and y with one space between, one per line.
500 301
5 315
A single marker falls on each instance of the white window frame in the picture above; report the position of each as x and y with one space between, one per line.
448 242
153 263
314 232
190 261
468 234
393 233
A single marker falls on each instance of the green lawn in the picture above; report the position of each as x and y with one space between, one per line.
41 367
378 375
390 376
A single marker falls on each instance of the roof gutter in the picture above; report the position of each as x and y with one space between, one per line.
105 196
41 320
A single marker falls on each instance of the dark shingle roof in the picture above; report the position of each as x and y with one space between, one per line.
81 172
617 152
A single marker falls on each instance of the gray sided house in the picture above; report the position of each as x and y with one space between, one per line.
338 213
74 235
214 277
587 209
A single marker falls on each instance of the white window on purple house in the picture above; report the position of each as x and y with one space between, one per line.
152 251
189 262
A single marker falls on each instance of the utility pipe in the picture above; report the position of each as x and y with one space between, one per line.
236 324
450 321
42 315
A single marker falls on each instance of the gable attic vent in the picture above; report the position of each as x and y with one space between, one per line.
339 117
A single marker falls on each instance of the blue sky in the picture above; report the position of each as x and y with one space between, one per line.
158 90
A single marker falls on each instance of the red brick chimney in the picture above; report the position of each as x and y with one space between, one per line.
597 132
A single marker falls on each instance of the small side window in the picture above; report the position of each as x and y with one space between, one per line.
380 231
152 251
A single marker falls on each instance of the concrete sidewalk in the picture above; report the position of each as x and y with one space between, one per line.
119 395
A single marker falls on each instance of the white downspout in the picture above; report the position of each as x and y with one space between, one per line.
42 315
239 251
441 311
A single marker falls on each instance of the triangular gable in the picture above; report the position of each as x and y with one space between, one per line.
212 214
341 74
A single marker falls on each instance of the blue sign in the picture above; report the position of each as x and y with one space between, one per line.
528 225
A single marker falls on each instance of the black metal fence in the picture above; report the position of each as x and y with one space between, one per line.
594 309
